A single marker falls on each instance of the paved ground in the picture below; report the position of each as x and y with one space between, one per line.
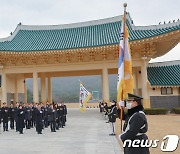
85 133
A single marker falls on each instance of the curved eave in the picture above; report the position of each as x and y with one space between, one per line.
63 51
163 47
164 42
161 86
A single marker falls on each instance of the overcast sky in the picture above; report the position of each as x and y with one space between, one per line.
53 12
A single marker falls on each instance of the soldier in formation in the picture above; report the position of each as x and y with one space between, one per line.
11 115
135 126
5 113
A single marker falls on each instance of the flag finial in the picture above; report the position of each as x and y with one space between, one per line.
125 5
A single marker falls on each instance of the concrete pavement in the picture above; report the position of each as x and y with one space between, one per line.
85 133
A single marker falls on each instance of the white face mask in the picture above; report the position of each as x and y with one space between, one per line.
129 105
112 103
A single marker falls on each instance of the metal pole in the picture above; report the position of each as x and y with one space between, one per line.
124 26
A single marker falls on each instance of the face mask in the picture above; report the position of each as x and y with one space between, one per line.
112 104
129 105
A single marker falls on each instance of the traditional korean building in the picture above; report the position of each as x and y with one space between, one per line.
164 84
86 48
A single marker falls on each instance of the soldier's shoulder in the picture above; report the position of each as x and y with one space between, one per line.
138 116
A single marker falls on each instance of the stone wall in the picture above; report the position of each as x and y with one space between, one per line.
165 101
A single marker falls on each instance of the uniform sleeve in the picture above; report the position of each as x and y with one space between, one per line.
135 124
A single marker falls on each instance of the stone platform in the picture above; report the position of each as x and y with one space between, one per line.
85 133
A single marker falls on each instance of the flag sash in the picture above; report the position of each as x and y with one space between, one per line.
85 95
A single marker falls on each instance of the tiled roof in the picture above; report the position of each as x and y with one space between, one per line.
161 74
81 35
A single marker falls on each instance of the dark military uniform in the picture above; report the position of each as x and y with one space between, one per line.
65 113
46 116
34 116
112 117
135 127
106 109
12 117
21 120
28 116
5 114
112 114
61 118
52 119
57 117
39 121
43 116
16 118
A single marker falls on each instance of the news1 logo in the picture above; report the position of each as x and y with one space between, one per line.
168 144
171 145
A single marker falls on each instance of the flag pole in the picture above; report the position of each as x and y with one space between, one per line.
121 116
81 82
124 18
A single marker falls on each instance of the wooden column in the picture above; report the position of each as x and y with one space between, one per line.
43 88
3 86
105 85
35 87
49 90
145 95
25 92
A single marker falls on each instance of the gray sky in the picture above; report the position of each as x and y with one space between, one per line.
53 12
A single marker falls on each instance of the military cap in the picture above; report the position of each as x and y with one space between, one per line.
114 101
135 97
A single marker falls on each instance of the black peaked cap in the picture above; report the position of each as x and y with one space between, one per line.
134 97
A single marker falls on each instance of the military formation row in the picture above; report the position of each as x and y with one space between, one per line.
33 115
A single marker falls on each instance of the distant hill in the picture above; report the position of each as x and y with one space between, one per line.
67 88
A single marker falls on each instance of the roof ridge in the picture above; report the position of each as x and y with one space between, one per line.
62 26
72 25
86 24
151 27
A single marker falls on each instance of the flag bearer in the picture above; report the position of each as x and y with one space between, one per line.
135 125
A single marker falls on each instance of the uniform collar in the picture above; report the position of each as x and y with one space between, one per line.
135 109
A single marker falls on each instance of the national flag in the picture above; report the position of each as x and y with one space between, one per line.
125 82
84 96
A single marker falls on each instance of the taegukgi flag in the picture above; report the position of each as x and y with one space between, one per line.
125 82
84 96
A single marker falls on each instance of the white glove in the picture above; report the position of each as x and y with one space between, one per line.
120 136
121 103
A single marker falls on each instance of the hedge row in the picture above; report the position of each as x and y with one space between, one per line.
176 110
156 111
